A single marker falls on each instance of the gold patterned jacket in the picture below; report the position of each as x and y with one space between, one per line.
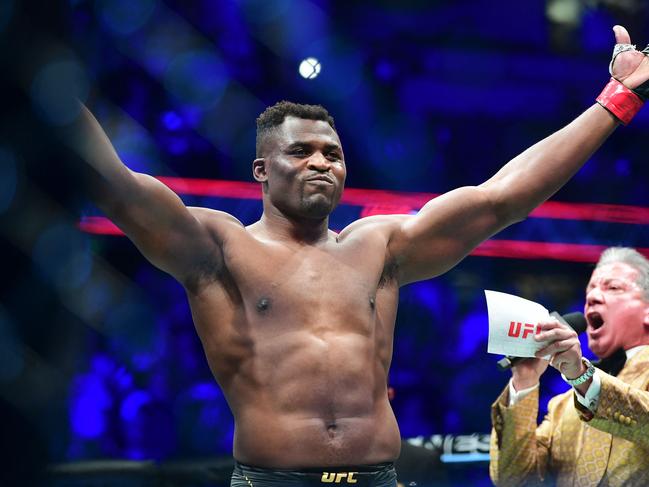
573 446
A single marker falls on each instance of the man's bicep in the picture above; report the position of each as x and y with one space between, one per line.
444 231
165 231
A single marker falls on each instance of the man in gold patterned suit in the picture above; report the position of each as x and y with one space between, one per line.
597 433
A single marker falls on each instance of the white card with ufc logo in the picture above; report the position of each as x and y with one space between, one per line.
513 324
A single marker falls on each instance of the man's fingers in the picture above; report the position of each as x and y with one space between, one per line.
554 334
556 347
621 35
545 326
549 325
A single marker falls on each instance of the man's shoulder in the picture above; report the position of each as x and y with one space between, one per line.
372 225
215 219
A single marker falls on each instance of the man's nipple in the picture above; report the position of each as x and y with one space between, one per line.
263 305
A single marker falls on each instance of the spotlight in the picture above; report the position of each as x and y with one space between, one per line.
310 68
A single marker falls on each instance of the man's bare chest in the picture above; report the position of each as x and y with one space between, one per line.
306 280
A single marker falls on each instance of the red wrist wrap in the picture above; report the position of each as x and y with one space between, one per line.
620 101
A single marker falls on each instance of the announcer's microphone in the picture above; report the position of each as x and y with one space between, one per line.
576 321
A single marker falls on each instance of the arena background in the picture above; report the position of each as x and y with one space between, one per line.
98 355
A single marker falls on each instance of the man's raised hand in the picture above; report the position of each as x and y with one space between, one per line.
631 67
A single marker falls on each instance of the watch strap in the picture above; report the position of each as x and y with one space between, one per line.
590 371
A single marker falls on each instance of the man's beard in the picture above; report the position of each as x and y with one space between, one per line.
316 206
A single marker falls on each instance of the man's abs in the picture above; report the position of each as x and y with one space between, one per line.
301 400
301 343
292 441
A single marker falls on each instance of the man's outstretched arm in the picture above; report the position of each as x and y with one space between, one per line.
450 226
149 213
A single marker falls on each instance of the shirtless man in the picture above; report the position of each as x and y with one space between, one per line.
297 321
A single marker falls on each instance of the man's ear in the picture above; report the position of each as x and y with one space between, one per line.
259 170
645 321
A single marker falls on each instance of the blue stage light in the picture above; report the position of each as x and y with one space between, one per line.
135 147
130 324
384 70
124 17
474 333
197 78
123 379
205 391
623 167
102 365
90 400
263 11
132 404
171 120
176 145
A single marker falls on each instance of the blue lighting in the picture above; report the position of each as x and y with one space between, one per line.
452 420
197 78
205 391
623 167
595 30
130 327
102 365
171 120
384 70
136 453
428 294
123 379
392 143
132 404
475 332
135 148
143 361
87 421
263 11
211 415
124 17
177 145
89 402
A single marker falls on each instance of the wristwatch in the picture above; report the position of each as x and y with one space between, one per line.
590 371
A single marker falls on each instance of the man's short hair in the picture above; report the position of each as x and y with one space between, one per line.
631 257
274 116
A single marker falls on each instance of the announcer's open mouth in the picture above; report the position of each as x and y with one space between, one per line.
595 320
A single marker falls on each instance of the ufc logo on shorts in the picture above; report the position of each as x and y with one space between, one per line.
336 478
528 328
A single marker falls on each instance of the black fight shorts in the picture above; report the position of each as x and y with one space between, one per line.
380 475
